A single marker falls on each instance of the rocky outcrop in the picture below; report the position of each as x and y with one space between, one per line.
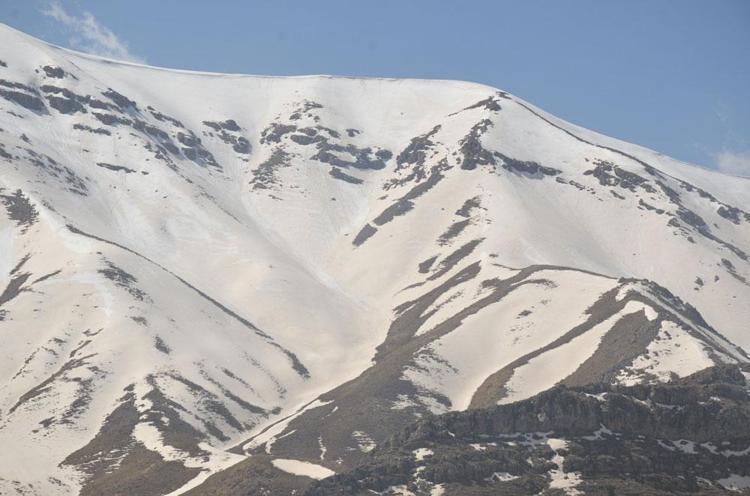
689 436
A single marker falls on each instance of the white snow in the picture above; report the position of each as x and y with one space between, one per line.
735 482
421 453
567 481
675 350
502 477
535 376
323 448
306 469
364 441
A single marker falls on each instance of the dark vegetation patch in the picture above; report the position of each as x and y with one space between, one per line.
337 173
265 176
729 266
527 169
305 110
60 374
472 151
22 95
47 276
416 152
406 202
455 257
229 125
610 174
112 119
164 118
249 407
123 103
115 168
469 206
730 213
424 267
65 101
364 158
54 72
453 231
4 154
194 150
649 207
275 131
329 149
19 209
490 103
97 130
364 234
14 288
124 280
228 132
160 345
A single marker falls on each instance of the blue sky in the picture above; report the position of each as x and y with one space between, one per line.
667 74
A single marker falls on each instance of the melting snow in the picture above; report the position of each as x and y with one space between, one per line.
421 453
567 481
306 469
735 482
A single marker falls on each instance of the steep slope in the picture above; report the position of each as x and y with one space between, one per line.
296 268
686 437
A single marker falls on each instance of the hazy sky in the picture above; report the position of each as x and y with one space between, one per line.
672 75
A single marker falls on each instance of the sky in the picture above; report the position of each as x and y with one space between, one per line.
671 75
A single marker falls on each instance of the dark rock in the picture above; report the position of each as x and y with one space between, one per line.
337 173
620 440
54 72
98 130
473 152
20 209
123 102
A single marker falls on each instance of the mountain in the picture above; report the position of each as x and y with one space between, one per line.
210 277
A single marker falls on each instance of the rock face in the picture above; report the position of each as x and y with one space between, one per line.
689 436
218 284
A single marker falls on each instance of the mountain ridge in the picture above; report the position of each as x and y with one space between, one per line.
467 83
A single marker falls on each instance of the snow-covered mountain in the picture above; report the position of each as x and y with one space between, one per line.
198 267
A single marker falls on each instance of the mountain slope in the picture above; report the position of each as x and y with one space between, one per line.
686 437
197 268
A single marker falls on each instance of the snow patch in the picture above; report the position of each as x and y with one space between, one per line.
567 481
735 482
305 469
421 453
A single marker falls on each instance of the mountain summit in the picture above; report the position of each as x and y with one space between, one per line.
205 272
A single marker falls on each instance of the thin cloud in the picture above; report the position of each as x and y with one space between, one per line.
88 35
735 163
